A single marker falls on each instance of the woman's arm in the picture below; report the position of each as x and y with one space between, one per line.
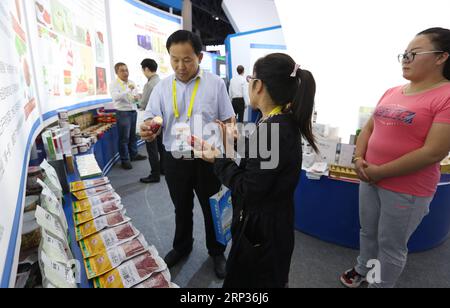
435 149
256 176
361 149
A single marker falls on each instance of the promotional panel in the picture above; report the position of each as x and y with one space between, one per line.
209 62
18 115
138 32
258 51
71 54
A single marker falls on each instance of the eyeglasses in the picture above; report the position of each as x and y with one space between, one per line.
409 57
250 78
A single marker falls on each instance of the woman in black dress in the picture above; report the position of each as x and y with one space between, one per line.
263 187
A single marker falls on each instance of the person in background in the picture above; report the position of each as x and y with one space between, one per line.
155 149
189 100
398 155
125 98
238 89
263 196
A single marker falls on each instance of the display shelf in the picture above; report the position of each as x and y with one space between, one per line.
334 217
68 210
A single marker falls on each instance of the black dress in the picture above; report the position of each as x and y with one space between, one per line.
263 208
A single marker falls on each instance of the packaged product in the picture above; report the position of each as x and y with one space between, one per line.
132 272
48 222
112 258
102 241
55 249
156 281
52 204
97 211
92 192
84 205
97 225
51 179
31 232
83 185
55 274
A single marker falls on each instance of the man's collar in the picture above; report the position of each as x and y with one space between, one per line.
200 75
153 76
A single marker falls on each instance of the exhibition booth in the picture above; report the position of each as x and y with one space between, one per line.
56 64
57 61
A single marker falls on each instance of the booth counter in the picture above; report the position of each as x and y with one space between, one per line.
329 210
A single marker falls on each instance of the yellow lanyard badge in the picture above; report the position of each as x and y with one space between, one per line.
175 99
124 88
278 110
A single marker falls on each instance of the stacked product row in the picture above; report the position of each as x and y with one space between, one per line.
116 254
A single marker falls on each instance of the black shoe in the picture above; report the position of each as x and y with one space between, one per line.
151 179
127 165
174 257
139 157
220 264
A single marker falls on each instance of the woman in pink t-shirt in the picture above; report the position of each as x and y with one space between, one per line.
397 158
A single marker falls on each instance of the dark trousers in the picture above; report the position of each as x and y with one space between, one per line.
126 123
156 155
183 178
239 108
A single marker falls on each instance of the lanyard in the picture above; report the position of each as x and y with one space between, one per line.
278 110
122 84
175 99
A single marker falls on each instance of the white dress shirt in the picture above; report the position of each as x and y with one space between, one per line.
122 95
211 103
239 89
238 85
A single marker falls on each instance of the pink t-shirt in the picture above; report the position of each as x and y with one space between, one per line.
402 124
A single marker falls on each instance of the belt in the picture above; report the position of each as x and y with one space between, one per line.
188 156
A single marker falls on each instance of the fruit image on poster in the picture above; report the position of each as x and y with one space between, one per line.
71 43
19 113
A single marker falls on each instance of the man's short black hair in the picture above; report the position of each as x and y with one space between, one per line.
240 69
150 64
183 36
118 66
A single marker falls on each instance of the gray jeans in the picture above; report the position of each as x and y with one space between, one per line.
388 220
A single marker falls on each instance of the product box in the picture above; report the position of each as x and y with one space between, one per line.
222 212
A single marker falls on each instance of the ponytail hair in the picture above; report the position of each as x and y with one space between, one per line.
290 87
440 38
303 105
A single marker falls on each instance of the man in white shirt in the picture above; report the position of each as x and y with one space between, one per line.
189 101
125 98
238 91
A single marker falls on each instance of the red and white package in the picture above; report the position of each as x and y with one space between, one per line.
156 281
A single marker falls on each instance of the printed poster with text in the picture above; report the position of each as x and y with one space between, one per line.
139 31
18 113
71 51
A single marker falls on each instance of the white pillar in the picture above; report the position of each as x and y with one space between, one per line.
187 15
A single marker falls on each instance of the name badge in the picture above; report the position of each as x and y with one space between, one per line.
182 134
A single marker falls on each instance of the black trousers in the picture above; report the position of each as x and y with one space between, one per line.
239 108
155 151
183 178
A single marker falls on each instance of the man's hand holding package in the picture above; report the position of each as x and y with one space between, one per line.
150 129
